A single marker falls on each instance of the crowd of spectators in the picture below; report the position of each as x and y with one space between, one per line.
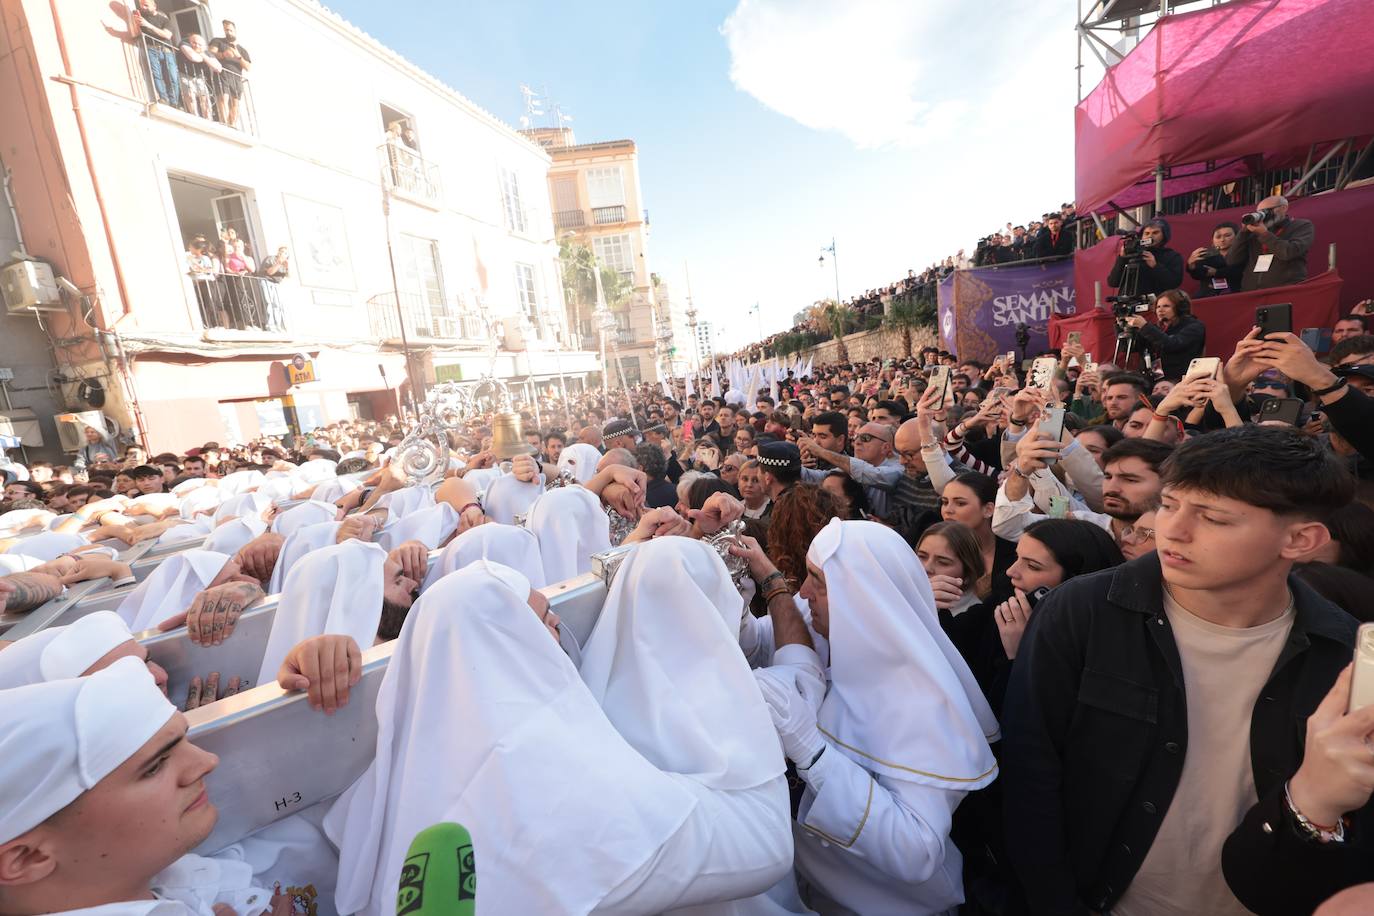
204 78
1054 235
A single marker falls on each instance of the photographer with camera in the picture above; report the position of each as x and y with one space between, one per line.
1178 339
1272 247
1145 263
1208 265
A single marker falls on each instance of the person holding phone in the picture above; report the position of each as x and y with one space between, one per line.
1178 339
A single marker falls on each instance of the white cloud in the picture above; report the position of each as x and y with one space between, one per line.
960 117
845 66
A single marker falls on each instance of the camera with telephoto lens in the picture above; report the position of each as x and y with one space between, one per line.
1259 216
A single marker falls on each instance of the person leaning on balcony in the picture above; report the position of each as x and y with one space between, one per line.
236 61
201 266
195 66
1274 250
160 45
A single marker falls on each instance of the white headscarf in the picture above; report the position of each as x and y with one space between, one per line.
240 482
309 512
336 589
187 531
157 502
316 470
334 489
522 709
278 487
571 526
506 497
482 478
664 663
193 483
62 652
48 545
581 459
297 545
232 535
58 739
507 545
430 526
199 500
902 701
400 503
19 519
241 505
170 588
17 562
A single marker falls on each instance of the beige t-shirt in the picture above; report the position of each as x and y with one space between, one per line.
1224 670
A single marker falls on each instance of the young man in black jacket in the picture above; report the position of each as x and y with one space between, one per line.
1178 339
1152 705
1161 268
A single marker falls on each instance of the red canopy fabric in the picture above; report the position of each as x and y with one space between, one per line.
1248 78
1228 318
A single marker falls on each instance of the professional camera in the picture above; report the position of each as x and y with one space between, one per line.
1259 216
1132 242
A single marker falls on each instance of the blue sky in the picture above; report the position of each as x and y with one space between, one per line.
905 129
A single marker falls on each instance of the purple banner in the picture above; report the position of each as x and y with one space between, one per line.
980 309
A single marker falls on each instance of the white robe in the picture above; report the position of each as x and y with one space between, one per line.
571 526
906 729
671 619
336 589
506 497
546 845
430 526
297 545
170 588
231 536
581 459
504 544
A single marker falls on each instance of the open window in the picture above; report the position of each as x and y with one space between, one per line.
403 165
221 251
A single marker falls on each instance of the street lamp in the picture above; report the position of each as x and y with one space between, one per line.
834 260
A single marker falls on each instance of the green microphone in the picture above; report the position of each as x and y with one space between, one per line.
439 876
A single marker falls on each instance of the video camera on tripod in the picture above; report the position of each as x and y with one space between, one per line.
1129 300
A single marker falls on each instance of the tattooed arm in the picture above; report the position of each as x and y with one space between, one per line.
24 591
214 612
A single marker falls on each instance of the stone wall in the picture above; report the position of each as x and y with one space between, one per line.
865 345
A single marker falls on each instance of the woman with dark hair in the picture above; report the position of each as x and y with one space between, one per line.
702 489
798 516
969 500
849 495
949 553
1049 553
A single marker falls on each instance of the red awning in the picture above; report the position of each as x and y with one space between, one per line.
1261 79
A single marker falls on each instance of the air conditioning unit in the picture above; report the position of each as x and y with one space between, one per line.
71 428
29 285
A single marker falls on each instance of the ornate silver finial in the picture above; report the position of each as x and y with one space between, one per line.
721 541
423 453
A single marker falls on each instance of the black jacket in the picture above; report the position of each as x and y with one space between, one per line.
1096 729
1048 247
1178 345
1214 267
1167 273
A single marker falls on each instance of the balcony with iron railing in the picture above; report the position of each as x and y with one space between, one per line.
202 88
408 175
603 216
597 216
426 318
569 219
239 302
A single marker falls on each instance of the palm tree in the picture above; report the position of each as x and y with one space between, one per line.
908 312
839 320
